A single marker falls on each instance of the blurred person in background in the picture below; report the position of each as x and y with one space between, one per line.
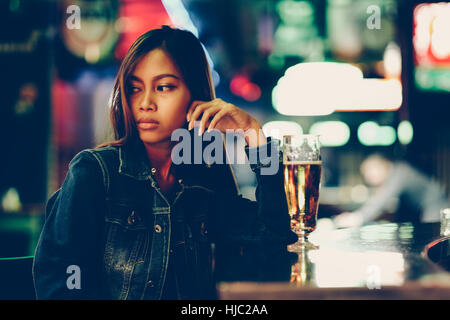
401 188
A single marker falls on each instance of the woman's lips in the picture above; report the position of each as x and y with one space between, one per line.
148 125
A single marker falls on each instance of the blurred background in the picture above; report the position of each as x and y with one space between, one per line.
368 76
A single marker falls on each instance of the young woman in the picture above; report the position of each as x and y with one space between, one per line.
128 223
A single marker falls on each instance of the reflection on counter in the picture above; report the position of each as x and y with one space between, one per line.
339 263
302 272
337 268
372 261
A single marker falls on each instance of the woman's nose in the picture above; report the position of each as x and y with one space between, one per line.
146 107
147 103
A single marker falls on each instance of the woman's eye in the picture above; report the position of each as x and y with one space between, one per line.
164 88
134 89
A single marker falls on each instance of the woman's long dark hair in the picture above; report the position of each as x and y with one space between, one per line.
188 55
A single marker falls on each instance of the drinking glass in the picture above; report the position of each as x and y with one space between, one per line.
302 164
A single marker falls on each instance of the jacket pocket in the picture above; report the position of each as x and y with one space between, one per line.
198 226
127 238
129 217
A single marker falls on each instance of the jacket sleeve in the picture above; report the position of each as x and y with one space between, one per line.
265 220
67 259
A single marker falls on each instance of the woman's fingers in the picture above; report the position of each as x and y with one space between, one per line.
195 110
192 108
219 115
217 109
207 114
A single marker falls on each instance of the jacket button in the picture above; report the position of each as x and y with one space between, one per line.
150 284
203 230
158 228
131 219
153 170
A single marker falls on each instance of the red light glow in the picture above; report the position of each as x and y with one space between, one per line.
136 18
241 86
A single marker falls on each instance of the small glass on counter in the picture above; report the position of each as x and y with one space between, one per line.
445 222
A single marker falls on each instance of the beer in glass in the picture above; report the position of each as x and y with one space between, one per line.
302 171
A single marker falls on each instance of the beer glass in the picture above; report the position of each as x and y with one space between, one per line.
302 169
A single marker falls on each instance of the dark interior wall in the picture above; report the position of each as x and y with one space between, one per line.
25 64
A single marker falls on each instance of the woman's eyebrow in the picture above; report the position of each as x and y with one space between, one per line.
164 75
134 78
155 78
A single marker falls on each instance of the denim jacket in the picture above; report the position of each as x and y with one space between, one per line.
110 233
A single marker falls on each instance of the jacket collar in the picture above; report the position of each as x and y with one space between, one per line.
134 161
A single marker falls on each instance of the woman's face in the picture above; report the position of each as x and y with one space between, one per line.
158 97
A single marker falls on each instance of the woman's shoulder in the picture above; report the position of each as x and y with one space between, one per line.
104 156
92 166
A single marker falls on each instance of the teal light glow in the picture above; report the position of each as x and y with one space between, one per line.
332 133
371 134
405 132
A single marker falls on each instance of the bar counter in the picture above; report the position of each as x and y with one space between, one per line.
374 261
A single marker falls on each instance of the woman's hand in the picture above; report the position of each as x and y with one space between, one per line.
220 115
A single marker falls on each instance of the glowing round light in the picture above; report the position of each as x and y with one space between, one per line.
367 133
320 88
405 132
241 86
392 60
278 129
237 83
332 133
386 136
250 92
371 134
301 90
